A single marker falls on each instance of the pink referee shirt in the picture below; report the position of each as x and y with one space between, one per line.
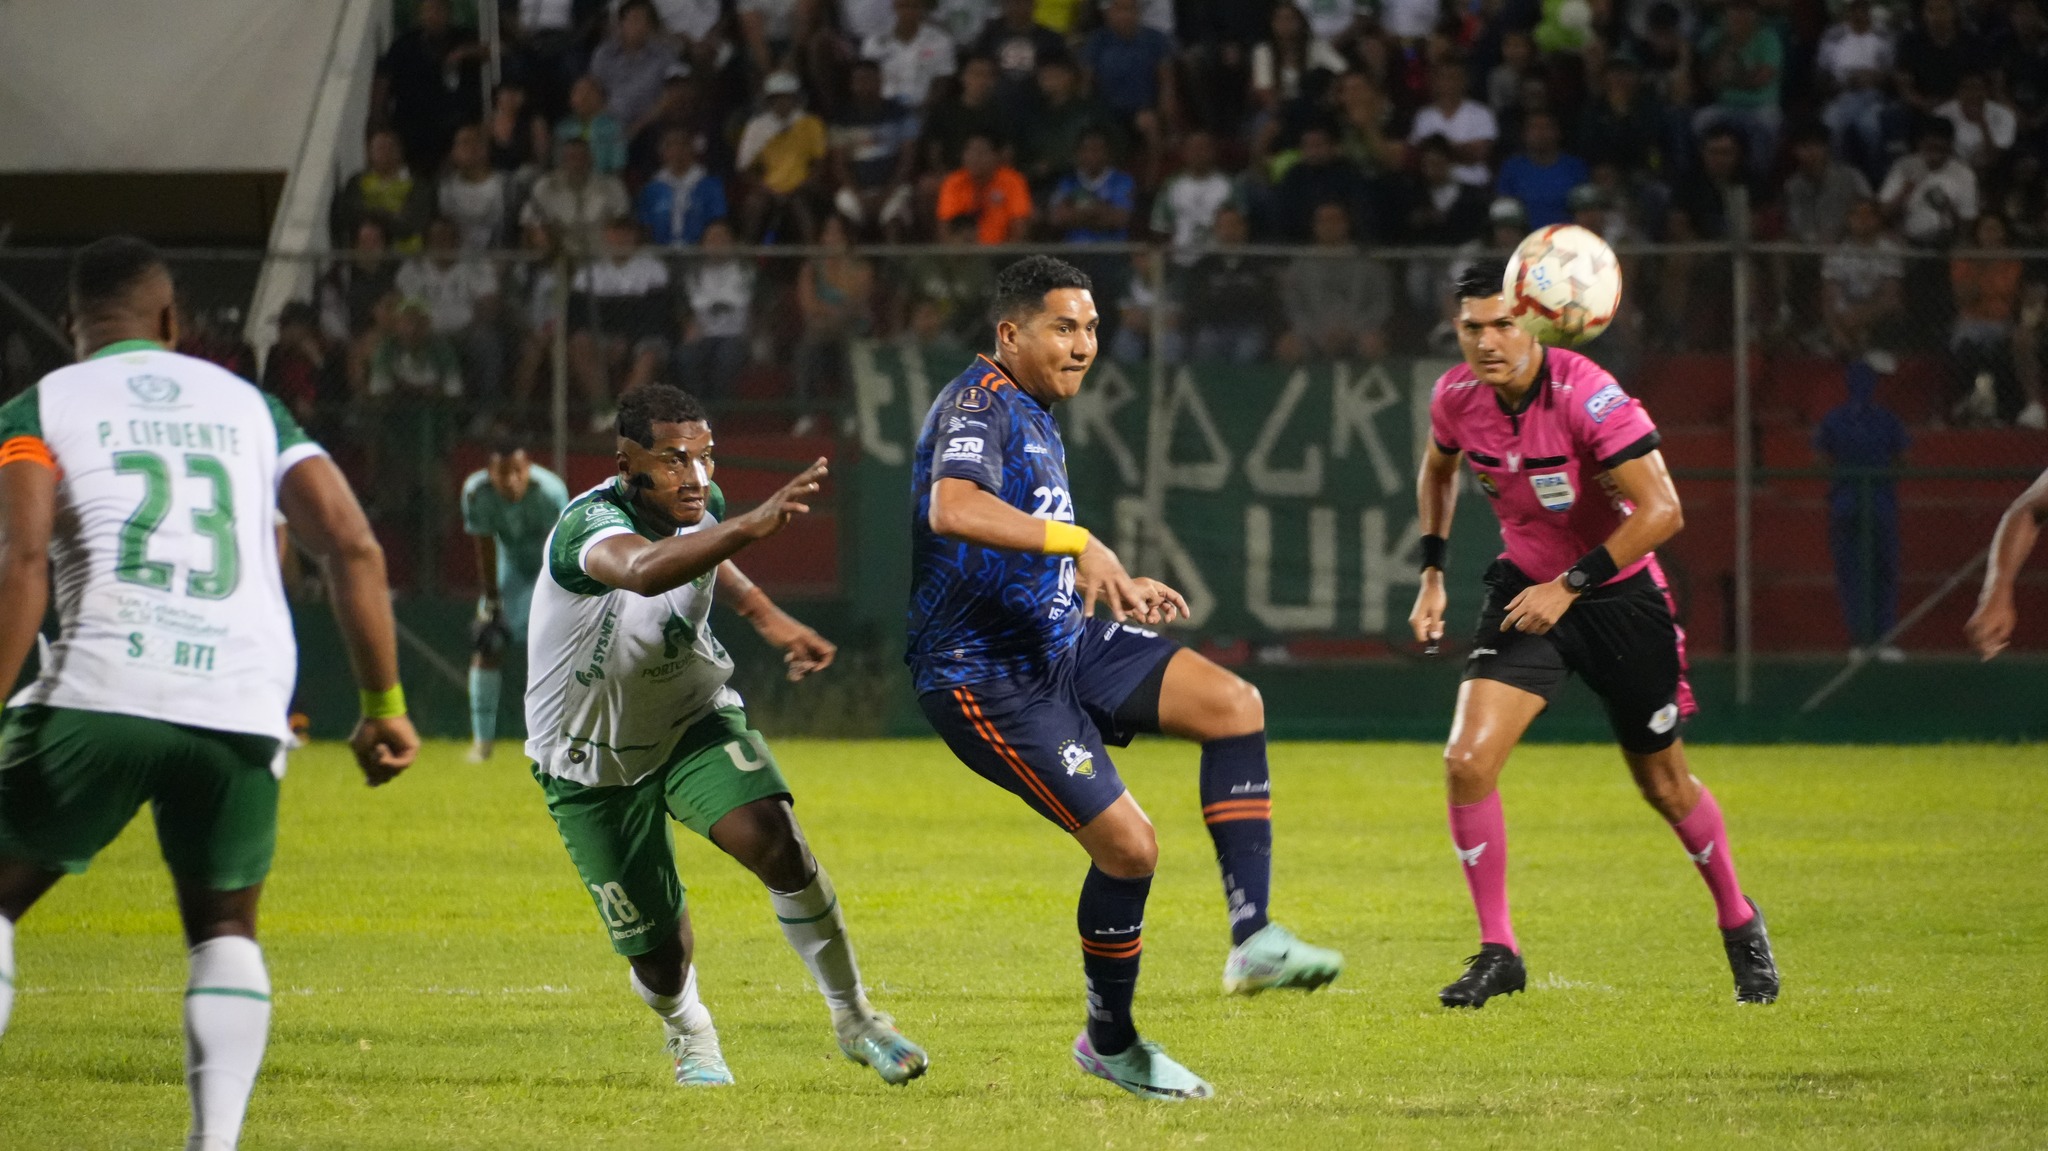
1545 467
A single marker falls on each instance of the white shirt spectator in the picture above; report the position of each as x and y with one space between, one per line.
1410 19
1285 81
575 213
1978 144
1157 14
1472 121
547 15
451 293
1329 19
481 208
863 19
1186 210
1844 52
908 68
690 18
637 275
1860 271
963 20
721 294
1938 203
778 17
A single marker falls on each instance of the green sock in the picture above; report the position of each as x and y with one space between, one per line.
483 702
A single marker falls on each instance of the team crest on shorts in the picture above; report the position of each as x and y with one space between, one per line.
1077 760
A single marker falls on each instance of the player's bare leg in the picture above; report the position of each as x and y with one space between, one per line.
764 837
1667 782
227 1010
1491 719
21 884
666 980
1122 850
1202 702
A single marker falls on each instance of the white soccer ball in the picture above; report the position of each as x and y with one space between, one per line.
1563 284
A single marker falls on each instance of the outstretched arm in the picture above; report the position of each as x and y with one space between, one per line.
28 499
652 567
1990 626
1644 482
1436 500
965 511
803 649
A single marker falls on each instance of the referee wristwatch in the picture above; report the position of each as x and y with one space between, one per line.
1576 581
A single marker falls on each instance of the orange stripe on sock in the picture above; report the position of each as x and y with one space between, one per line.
971 708
1235 816
29 449
1238 805
1113 950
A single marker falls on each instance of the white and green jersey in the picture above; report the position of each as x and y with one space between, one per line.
614 678
169 600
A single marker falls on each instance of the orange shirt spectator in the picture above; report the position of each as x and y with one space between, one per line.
1987 290
994 194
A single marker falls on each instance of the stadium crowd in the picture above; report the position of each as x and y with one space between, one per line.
642 141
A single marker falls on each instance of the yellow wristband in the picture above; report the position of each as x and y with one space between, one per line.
1065 539
383 704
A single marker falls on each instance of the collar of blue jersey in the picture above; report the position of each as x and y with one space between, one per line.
1537 387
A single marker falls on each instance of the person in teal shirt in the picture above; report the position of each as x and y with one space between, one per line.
1746 69
508 509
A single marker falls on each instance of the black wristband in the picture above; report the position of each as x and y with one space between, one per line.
1433 552
1597 566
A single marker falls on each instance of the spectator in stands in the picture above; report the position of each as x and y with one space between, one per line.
545 37
1543 175
384 190
1228 296
873 151
2026 352
1338 303
771 29
1465 122
963 20
2023 73
1438 212
1862 441
1930 193
861 19
516 135
1185 209
783 151
1281 62
411 388
945 298
1504 82
1933 58
836 296
1130 69
1365 128
1707 197
632 64
1017 44
1321 175
683 105
569 205
1093 203
988 192
1985 128
1623 124
719 290
303 370
412 365
1987 295
912 54
1064 112
215 335
354 292
1819 192
589 122
461 297
683 198
428 82
973 109
621 321
476 196
697 30
1862 282
1745 68
1856 58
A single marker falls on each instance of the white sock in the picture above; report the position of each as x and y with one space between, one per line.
680 1012
227 1020
6 971
817 933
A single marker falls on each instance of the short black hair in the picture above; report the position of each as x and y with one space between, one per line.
505 441
1482 280
106 270
1021 287
649 404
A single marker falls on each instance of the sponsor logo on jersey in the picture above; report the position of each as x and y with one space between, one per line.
1037 450
154 391
973 398
605 630
1604 402
1553 491
675 635
1077 759
964 448
956 423
1665 719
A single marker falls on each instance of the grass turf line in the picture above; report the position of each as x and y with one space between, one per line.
442 980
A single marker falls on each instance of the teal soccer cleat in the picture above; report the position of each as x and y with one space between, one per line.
1272 958
1144 1070
873 1041
699 1062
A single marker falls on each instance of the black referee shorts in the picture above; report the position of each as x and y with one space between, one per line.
1622 639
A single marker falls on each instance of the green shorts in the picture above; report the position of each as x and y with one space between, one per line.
619 837
70 780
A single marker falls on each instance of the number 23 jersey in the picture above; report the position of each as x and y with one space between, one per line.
977 613
163 548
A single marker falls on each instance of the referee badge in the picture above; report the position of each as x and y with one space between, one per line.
1554 491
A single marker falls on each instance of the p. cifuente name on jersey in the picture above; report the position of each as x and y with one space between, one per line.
615 677
170 603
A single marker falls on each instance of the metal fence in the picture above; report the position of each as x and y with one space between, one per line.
407 363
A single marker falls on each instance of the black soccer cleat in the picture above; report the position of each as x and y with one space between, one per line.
1749 957
1496 970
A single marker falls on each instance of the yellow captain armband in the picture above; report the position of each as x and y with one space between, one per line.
384 704
1065 539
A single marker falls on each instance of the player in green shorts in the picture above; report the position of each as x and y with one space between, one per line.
630 724
508 509
142 486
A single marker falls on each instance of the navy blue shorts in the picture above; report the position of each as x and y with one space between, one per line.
1045 737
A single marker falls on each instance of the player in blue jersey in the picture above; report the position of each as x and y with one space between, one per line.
1029 691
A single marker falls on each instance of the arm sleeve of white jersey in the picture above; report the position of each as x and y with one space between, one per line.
294 446
583 527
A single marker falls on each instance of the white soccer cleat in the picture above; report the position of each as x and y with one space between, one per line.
699 1062
480 751
872 1040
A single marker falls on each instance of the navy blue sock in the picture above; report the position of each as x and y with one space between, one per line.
1112 920
1237 804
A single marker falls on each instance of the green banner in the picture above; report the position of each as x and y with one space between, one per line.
1280 501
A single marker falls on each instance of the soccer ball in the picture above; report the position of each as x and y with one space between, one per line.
1563 284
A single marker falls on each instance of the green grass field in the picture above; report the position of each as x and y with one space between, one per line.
442 981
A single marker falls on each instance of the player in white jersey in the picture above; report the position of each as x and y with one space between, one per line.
139 488
630 724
